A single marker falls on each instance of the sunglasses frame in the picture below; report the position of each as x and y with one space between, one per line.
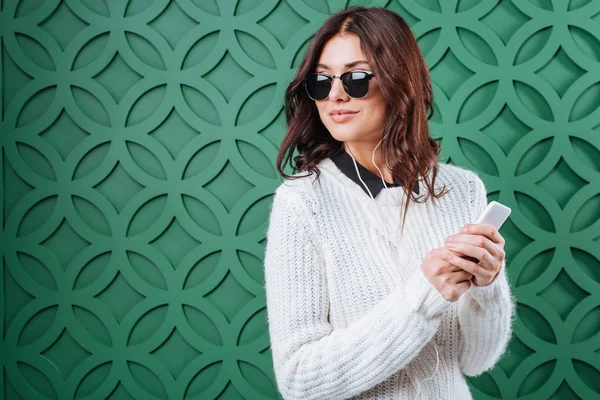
370 75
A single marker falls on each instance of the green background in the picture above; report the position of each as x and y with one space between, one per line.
138 141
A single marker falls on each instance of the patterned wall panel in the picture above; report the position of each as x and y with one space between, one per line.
138 141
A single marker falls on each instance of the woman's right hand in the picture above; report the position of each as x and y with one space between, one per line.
448 279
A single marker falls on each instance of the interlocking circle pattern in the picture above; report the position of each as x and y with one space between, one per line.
138 141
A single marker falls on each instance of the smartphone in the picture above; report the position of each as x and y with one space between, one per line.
496 214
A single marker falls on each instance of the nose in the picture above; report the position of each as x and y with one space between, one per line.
337 90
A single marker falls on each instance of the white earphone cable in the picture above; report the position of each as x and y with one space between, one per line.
434 372
370 194
358 173
373 161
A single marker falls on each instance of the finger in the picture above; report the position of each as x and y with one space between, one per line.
467 249
477 270
445 256
494 249
464 285
434 254
444 263
487 230
460 276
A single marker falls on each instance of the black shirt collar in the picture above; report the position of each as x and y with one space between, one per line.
344 162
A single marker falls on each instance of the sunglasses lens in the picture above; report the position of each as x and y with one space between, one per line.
356 84
318 86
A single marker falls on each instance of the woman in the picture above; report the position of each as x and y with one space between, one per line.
370 295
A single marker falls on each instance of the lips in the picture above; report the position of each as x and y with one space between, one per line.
342 112
339 118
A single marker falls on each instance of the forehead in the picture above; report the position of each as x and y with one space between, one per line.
341 50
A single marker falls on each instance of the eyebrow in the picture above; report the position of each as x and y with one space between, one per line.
349 65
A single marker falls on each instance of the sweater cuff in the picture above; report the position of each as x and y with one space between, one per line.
492 294
423 297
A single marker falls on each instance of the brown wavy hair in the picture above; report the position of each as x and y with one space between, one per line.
401 71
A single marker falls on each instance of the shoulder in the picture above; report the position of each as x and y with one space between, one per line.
300 186
298 193
460 178
466 188
456 174
294 207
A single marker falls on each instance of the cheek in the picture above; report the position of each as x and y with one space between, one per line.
321 110
377 111
378 102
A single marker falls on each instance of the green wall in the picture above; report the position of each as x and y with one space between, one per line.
138 142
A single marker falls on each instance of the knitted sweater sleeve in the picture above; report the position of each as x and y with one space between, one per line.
485 313
311 359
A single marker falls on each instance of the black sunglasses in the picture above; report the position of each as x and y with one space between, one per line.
355 84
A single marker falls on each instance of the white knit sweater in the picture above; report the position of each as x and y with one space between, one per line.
332 249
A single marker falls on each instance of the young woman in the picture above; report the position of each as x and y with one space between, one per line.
377 285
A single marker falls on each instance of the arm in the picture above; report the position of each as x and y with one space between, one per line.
311 359
485 314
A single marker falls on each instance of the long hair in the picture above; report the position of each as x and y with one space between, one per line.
403 76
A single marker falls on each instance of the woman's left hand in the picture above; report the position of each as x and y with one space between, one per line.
483 247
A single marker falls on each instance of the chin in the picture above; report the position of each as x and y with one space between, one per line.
344 135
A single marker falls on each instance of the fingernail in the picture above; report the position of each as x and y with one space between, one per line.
448 239
463 229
